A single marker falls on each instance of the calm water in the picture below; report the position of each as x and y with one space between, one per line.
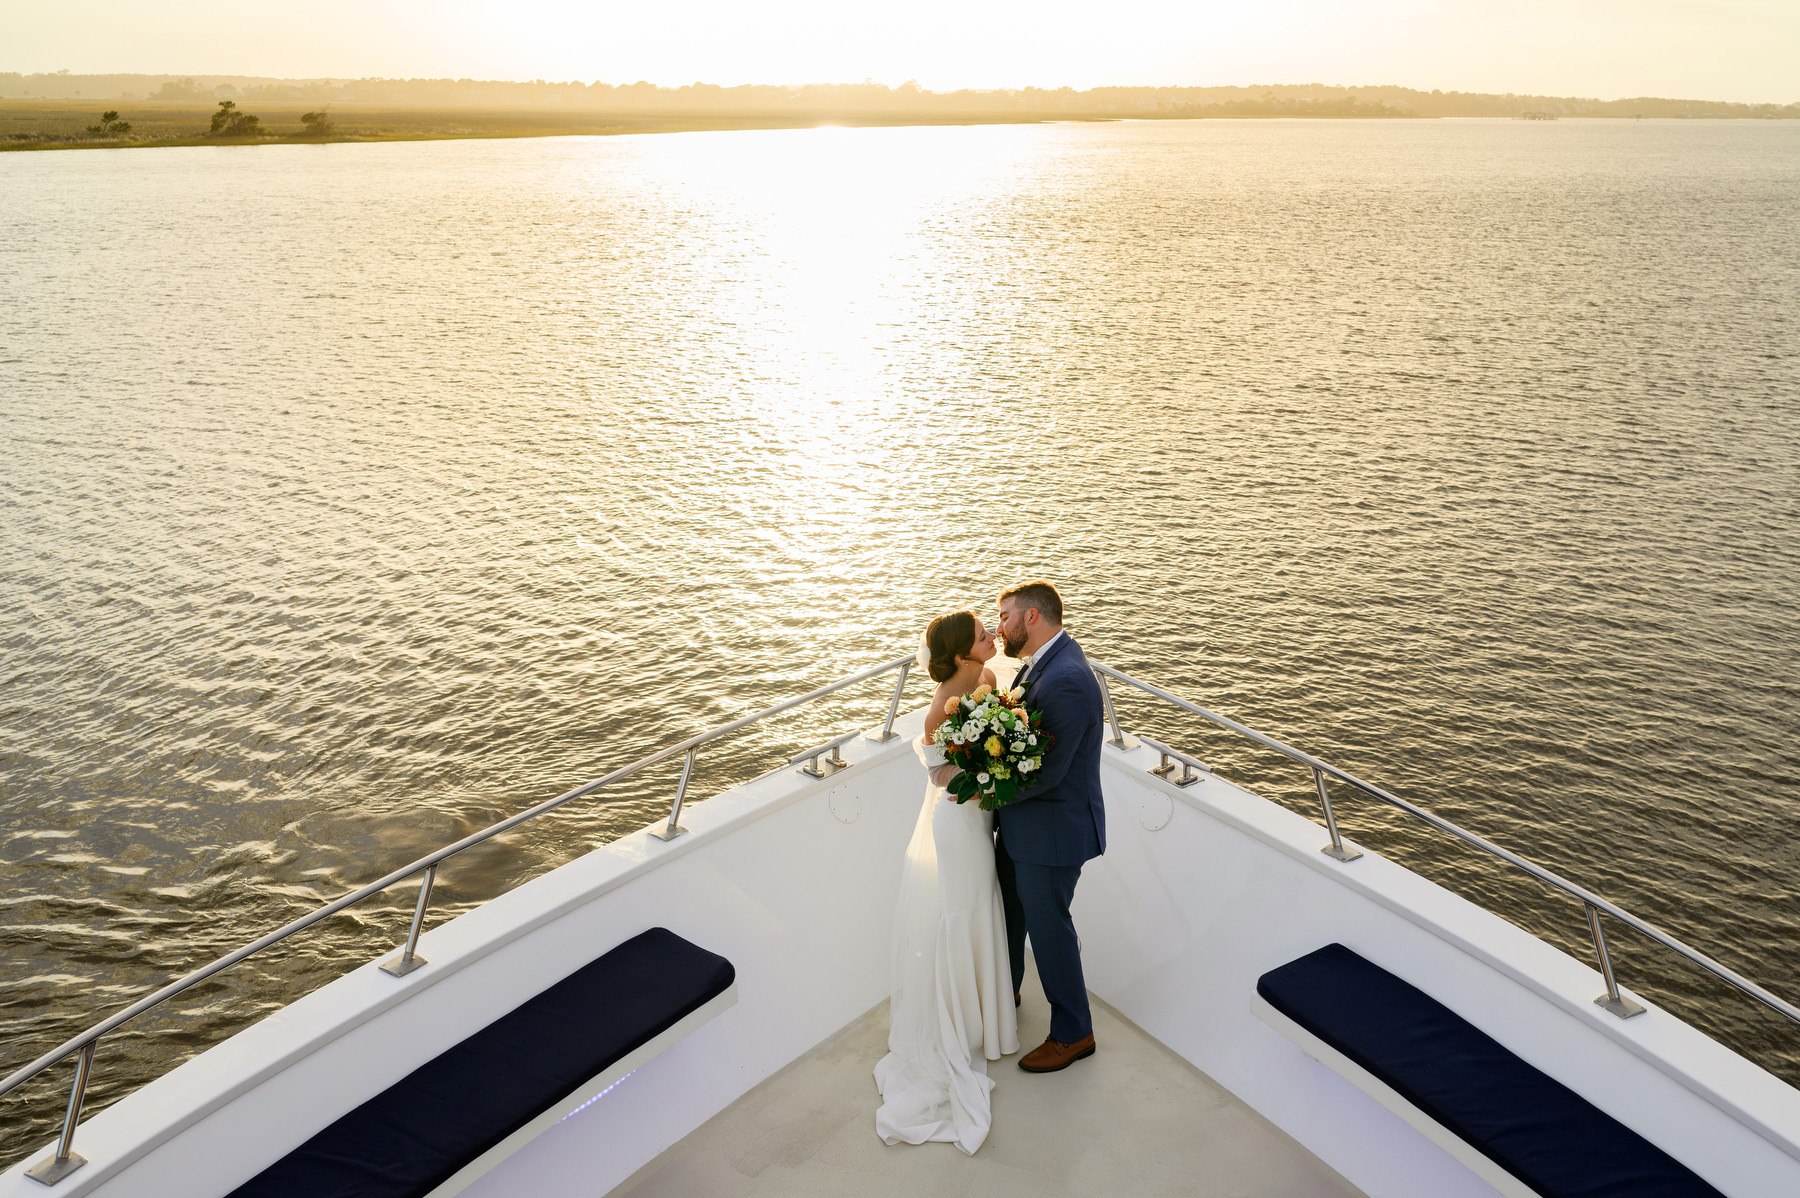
352 496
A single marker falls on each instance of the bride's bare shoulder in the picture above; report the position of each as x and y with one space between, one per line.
935 715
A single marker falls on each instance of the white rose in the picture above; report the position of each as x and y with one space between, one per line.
1026 766
981 778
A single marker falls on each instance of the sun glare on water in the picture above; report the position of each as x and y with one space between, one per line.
826 253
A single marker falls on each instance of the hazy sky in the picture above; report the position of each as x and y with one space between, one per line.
1710 49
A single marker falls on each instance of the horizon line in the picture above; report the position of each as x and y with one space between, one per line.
910 85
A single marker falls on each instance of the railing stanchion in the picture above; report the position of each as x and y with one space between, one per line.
1612 1000
1118 740
1335 850
887 727
65 1161
409 958
675 829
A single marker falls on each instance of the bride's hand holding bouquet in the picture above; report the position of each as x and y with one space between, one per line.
995 741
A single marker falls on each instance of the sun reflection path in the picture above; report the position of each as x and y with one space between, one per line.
837 271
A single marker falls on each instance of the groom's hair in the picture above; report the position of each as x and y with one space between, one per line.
1040 595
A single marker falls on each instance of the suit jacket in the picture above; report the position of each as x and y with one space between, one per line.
1060 819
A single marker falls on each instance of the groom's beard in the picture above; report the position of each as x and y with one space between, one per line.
1014 645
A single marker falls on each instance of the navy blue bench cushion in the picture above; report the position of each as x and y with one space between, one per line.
1528 1123
416 1134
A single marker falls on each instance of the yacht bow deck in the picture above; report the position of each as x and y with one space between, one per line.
1132 1119
1204 889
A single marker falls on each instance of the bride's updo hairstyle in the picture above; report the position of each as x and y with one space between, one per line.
948 638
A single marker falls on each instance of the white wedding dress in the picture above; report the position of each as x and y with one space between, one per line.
952 1009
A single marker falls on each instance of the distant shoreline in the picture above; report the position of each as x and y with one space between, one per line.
30 125
58 126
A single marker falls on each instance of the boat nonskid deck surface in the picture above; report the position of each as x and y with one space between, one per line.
1134 1118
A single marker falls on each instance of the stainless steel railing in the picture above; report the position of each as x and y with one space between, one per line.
1613 1001
65 1161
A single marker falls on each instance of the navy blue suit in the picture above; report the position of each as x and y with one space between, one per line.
1044 836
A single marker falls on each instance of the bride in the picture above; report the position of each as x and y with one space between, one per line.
951 1012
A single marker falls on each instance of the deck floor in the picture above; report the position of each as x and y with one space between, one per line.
1133 1119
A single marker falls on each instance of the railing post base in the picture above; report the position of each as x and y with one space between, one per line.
673 828
887 732
409 958
1621 1006
53 1169
402 965
1614 1000
1337 850
1118 739
65 1160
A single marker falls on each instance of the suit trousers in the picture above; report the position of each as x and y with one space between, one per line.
1036 899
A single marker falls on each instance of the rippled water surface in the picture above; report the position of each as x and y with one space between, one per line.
353 496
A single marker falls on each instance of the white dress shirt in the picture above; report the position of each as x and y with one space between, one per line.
1029 661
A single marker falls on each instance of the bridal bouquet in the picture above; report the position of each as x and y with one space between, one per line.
995 740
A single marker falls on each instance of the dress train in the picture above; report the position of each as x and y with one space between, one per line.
952 1010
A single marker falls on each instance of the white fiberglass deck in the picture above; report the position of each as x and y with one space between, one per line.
1133 1119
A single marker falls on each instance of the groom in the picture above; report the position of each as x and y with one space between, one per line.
1056 824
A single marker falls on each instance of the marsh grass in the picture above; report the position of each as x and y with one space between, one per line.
63 125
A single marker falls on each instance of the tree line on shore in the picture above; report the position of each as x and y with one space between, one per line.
1310 99
231 121
228 123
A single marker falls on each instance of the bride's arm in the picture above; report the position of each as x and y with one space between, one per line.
942 774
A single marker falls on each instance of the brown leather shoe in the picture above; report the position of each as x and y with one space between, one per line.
1017 998
1052 1055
